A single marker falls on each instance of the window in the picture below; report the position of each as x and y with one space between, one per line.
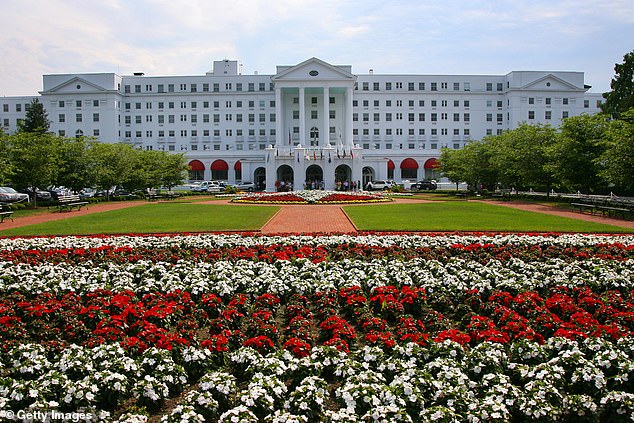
531 100
421 86
586 104
262 86
456 103
295 114
443 116
365 86
78 117
95 117
410 86
500 118
489 117
466 117
434 103
421 117
434 117
170 118
456 86
251 87
564 101
376 103
262 117
421 103
216 87
206 118
331 114
547 114
161 88
161 119
137 88
228 86
375 86
489 86
313 114
137 106
206 88
411 103
77 103
410 117
564 114
95 132
388 117
366 117
183 87
531 114
466 104
193 118
499 86
443 85
456 117
399 85
355 117
62 118
377 117
331 100
170 88
434 86
194 105
238 86
548 101
467 86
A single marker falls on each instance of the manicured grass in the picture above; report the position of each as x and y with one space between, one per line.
157 217
465 216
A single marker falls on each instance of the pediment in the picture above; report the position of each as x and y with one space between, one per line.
76 84
549 82
313 69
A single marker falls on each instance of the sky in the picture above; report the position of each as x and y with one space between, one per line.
184 37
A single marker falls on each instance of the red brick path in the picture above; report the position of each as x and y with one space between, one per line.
309 219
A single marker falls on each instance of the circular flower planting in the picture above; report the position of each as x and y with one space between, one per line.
311 197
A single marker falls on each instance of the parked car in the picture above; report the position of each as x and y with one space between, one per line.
246 186
379 185
208 186
9 195
429 185
39 194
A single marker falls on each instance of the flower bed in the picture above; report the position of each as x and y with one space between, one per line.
325 328
311 197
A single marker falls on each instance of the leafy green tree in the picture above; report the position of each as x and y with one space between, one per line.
77 163
6 166
576 151
113 164
35 159
617 162
36 119
522 157
472 165
621 97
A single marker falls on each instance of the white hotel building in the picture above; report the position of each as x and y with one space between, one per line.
309 122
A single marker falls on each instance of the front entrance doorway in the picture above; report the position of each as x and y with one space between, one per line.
285 177
314 177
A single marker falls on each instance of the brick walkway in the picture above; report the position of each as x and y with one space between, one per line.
309 219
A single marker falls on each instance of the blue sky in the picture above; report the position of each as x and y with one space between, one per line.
183 37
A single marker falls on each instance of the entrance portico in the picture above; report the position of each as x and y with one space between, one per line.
313 102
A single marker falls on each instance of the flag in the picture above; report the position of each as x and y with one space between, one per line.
289 137
267 157
322 154
351 154
329 159
298 158
314 155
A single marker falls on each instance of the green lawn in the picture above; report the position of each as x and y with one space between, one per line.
465 216
157 217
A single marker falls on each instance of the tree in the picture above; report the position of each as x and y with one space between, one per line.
113 164
617 161
36 119
621 98
162 168
6 166
576 151
35 159
77 163
522 156
472 164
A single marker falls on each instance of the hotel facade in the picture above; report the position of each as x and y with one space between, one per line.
309 122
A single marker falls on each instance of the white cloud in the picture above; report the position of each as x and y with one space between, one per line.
398 36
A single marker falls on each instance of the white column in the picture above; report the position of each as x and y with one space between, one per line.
348 129
279 117
302 116
325 130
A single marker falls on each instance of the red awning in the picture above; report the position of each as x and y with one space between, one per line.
196 165
432 164
237 166
219 165
390 165
409 164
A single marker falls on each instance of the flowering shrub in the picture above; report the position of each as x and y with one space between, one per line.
311 197
398 327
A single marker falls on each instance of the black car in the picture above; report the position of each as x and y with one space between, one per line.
426 185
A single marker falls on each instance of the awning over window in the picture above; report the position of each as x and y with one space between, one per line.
219 165
237 166
409 164
390 165
196 165
432 164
